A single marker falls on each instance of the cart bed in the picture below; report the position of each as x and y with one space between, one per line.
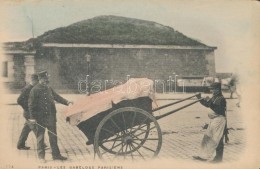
89 126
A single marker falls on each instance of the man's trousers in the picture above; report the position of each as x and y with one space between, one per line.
52 138
24 134
219 151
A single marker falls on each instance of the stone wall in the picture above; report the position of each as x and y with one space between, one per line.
49 60
19 72
69 65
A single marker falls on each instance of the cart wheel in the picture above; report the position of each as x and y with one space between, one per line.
142 141
128 133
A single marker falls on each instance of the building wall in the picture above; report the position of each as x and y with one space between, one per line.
19 72
49 61
210 57
68 66
8 69
18 66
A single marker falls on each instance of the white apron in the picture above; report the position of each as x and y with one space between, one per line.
213 135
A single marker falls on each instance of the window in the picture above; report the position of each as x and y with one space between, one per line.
5 69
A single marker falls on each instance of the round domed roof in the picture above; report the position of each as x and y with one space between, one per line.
117 30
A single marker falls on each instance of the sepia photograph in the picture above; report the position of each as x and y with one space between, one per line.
119 84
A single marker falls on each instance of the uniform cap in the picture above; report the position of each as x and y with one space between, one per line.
215 85
43 74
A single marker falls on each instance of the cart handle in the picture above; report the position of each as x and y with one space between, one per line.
173 111
170 104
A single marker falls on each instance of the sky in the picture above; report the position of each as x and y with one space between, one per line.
227 25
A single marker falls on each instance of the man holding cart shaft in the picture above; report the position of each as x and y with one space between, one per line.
213 138
42 109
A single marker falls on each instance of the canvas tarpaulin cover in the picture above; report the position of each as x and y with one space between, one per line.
91 105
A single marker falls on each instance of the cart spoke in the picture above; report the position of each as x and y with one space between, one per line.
111 119
131 151
124 132
120 136
106 141
117 134
123 117
113 133
120 150
144 120
108 131
140 126
143 131
137 151
115 146
137 138
146 139
125 151
133 121
144 147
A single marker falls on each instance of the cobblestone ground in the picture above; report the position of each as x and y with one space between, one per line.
182 133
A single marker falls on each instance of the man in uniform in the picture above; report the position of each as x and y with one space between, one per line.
23 101
42 109
213 138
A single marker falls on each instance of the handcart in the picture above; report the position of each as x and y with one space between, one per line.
119 122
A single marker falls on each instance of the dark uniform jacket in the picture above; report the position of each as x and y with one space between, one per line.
217 103
41 103
23 100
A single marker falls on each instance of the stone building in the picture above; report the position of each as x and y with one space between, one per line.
108 48
17 65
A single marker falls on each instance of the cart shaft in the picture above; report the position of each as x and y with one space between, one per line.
173 111
170 104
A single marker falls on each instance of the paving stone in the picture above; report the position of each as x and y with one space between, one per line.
182 134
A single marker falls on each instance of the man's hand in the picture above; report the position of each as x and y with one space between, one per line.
32 124
207 98
198 95
70 102
32 121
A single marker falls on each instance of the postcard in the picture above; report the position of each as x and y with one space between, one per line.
119 84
